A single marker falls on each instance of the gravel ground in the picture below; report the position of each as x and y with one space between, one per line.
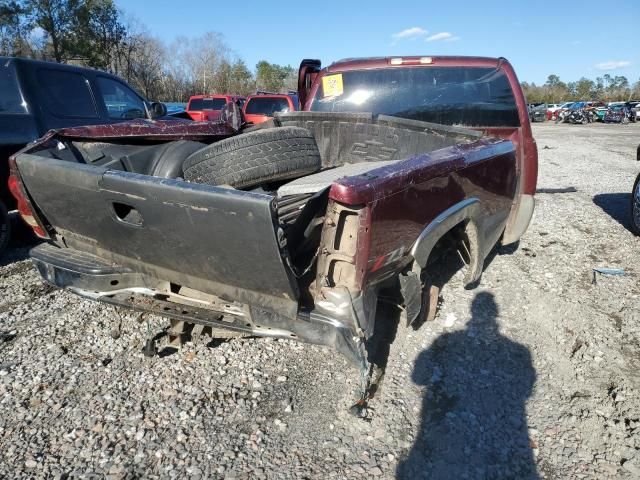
533 374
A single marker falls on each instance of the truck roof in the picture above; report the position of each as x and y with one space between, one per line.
58 66
216 95
413 60
269 95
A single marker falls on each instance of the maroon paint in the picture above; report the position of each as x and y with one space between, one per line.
527 154
150 129
404 198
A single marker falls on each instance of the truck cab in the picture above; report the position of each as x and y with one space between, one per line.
205 108
474 92
263 106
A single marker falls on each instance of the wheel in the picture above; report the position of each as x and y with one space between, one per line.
254 158
429 303
5 227
635 207
584 120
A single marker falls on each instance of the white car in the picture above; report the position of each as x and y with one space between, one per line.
557 107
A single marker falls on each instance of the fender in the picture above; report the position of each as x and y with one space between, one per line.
465 211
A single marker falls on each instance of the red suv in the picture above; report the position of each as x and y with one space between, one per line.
259 108
204 108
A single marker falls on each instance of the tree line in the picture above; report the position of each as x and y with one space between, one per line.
95 33
605 88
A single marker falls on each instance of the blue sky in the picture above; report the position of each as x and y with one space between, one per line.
568 38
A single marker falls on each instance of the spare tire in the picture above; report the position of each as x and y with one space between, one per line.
258 157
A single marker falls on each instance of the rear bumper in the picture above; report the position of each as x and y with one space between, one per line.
92 277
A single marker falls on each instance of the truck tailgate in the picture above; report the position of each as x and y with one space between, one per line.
216 240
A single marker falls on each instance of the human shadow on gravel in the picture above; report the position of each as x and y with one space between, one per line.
474 422
617 206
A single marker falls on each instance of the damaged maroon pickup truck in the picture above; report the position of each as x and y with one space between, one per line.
293 228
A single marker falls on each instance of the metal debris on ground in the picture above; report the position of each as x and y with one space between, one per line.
607 271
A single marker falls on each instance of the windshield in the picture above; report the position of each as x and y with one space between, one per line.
207 104
470 96
10 98
266 105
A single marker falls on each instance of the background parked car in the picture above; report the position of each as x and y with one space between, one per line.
598 109
260 107
537 112
619 112
551 109
563 108
203 108
636 106
39 96
634 110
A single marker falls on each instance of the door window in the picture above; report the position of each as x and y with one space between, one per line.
120 100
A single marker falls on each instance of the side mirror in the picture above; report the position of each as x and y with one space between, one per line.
157 109
307 73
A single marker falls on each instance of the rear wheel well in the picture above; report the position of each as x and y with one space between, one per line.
455 250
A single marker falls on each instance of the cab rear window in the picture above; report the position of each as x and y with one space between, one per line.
469 96
10 98
266 106
198 104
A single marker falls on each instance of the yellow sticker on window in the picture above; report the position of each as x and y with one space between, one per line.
332 85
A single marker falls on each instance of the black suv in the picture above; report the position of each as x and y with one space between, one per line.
39 96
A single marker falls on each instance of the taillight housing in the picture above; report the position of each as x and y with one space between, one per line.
26 210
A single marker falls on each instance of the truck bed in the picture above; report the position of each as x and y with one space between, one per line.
284 263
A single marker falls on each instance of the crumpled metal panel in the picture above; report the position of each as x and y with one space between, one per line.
227 125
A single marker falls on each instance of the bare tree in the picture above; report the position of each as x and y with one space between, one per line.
147 64
203 57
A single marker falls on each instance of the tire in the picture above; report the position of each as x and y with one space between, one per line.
258 157
5 227
635 207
